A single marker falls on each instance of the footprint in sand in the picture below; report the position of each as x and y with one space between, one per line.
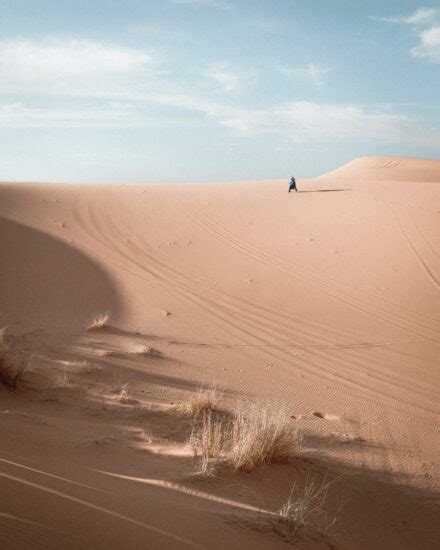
326 416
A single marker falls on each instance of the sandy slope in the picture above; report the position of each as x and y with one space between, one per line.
325 301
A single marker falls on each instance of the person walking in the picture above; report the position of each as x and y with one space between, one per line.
292 184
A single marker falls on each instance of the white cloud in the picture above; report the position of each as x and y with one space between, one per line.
312 72
425 22
429 45
56 65
19 115
120 87
304 121
422 15
209 3
228 79
297 121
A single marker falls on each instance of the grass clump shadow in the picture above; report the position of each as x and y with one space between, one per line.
12 367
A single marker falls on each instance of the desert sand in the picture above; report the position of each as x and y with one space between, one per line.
324 303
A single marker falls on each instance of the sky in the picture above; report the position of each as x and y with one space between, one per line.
213 90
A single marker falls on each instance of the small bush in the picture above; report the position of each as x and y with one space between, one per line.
124 396
98 322
250 439
205 400
148 351
11 367
207 441
304 512
262 436
64 379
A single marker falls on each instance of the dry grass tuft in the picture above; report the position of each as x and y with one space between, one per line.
149 351
205 400
11 368
250 439
303 513
64 379
86 367
99 321
207 441
124 395
262 436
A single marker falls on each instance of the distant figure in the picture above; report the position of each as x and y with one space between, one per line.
292 184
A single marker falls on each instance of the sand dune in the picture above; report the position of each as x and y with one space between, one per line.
324 303
389 169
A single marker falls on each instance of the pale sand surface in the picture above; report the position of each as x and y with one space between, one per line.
326 301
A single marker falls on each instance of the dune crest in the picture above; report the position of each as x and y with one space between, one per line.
389 169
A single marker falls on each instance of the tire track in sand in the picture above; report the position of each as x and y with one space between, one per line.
318 283
227 314
424 264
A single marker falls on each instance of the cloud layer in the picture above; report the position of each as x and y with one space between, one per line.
125 87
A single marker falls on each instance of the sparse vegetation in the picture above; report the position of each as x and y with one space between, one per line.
304 512
11 367
99 321
124 396
64 379
86 367
262 435
61 379
253 437
205 400
149 351
207 441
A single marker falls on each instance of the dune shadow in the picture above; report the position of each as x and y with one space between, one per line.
380 508
46 283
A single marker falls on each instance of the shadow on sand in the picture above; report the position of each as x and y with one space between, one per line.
323 190
382 509
45 282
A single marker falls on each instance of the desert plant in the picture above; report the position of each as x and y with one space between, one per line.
203 401
63 379
207 440
11 367
124 396
86 367
262 435
99 321
249 439
149 351
304 512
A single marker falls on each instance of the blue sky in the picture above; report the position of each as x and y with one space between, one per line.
210 90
